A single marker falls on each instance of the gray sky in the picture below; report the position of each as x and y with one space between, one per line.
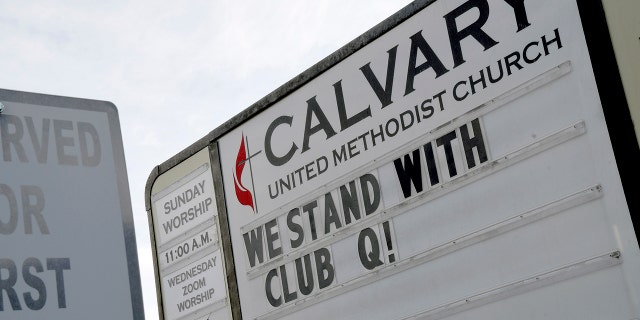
175 69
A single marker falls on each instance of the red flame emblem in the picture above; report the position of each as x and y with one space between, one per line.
242 193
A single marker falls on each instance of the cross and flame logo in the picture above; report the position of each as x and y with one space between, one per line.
244 195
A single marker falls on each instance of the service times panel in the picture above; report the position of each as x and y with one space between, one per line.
188 250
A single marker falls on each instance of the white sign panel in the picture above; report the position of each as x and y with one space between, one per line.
459 159
185 207
67 241
200 242
195 286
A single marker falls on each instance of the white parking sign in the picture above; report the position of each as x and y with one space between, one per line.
67 240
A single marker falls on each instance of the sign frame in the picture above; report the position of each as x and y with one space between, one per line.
200 164
607 78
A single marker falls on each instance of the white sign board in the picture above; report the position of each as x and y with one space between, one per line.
189 254
67 241
459 159
189 246
195 285
186 207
